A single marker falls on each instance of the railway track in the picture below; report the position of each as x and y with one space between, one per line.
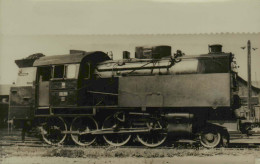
13 138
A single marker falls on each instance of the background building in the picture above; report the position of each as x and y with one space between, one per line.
243 93
4 100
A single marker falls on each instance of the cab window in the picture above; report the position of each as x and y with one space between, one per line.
58 71
70 71
44 73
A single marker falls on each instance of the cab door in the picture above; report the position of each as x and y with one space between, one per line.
44 76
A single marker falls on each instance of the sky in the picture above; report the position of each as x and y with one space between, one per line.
54 27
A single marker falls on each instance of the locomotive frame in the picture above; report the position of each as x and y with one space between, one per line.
85 94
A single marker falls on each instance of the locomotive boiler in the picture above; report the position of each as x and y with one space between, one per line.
150 97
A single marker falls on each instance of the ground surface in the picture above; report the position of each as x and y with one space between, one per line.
13 151
44 155
131 160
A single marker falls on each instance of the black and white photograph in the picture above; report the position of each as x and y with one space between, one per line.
134 82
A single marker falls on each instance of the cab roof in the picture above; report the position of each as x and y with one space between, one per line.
95 57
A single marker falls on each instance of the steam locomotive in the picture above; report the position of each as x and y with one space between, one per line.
150 97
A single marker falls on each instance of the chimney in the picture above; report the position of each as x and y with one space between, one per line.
215 48
126 55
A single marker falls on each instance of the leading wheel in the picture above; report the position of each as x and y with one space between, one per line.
156 136
210 138
82 126
52 130
115 139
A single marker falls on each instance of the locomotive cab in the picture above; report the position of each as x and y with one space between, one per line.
57 85
62 79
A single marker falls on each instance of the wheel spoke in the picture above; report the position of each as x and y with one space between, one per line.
115 139
52 130
76 137
83 124
153 139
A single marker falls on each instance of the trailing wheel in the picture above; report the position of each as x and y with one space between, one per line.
52 130
225 140
82 126
210 138
113 123
156 136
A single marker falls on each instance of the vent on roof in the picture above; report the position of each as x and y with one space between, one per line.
77 52
156 52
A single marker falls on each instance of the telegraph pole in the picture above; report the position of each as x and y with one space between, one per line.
249 82
249 85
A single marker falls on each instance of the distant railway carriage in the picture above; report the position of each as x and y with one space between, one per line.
152 96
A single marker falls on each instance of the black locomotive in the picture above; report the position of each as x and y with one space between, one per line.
151 97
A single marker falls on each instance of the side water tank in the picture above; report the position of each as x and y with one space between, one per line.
156 52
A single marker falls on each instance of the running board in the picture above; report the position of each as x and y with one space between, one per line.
254 139
113 131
